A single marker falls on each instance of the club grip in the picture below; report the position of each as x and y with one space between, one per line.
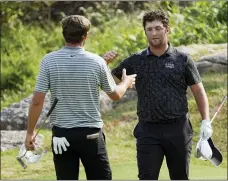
52 106
224 98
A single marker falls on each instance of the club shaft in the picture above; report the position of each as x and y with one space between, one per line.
19 159
219 108
46 116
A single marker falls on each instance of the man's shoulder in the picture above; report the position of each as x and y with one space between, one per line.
137 55
179 52
142 52
180 55
52 54
95 58
93 55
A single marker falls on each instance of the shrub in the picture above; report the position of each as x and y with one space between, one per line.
24 45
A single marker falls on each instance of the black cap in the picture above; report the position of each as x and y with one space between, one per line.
216 157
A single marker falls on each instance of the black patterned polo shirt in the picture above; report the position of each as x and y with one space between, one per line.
161 83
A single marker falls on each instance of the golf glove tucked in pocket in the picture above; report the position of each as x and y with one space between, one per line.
59 144
206 129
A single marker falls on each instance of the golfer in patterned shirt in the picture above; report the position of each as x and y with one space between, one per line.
163 76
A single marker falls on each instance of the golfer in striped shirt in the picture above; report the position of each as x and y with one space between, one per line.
75 75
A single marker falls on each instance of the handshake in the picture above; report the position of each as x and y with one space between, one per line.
128 80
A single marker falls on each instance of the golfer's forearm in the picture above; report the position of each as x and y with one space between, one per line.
203 106
202 102
119 91
121 88
33 116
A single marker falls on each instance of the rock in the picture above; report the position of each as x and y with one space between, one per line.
105 102
212 63
208 58
188 50
15 117
217 58
131 94
14 139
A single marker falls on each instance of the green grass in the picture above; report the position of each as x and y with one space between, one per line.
121 168
119 125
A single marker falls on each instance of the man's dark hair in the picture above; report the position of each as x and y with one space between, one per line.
74 28
156 15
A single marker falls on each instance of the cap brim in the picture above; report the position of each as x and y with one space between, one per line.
216 158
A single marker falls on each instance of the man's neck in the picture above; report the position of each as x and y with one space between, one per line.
158 51
79 45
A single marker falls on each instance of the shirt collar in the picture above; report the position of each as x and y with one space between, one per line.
169 51
73 48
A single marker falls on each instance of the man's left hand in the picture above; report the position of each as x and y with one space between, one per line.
206 129
110 56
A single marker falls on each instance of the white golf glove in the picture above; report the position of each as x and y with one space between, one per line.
206 129
59 144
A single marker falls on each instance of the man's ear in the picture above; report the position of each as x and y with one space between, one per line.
168 29
85 36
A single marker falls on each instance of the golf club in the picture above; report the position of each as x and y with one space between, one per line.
19 158
217 156
218 110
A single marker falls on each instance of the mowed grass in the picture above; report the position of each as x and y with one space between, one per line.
119 125
123 166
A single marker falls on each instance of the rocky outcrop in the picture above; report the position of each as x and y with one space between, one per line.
15 117
209 58
12 139
212 63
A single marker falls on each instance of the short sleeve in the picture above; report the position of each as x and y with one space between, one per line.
192 75
107 82
117 71
43 81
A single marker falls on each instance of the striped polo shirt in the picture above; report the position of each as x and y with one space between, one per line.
74 76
